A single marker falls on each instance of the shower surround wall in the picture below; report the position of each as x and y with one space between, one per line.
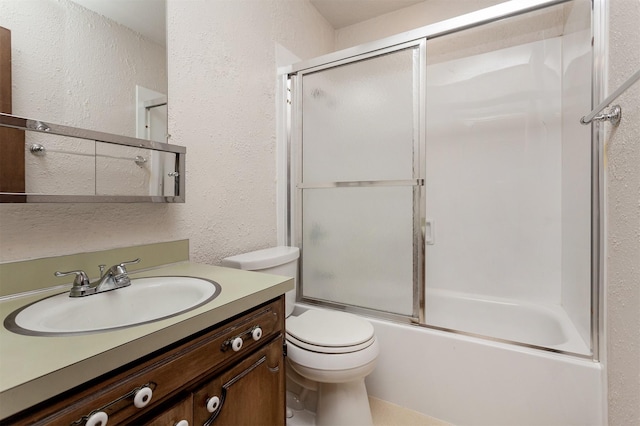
493 168
508 169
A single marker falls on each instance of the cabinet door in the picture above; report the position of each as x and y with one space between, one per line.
250 393
176 415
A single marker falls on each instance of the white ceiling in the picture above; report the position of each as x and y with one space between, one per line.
341 13
148 17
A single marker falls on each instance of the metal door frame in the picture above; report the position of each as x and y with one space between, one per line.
599 27
417 182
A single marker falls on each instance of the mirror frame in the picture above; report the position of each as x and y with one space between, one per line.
27 124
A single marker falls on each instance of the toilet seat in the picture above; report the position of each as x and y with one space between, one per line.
328 349
363 359
329 332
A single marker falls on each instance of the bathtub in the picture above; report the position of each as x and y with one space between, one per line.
542 325
466 380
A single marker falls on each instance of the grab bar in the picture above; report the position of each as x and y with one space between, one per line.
616 114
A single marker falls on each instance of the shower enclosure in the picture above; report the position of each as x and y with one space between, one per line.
442 178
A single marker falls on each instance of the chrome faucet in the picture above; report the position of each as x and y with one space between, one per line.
115 277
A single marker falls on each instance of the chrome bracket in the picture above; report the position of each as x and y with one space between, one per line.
613 116
37 149
139 160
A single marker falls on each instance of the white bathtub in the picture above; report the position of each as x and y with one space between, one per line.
466 380
534 324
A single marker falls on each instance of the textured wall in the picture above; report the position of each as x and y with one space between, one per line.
623 220
222 76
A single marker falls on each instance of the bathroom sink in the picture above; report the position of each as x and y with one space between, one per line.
145 300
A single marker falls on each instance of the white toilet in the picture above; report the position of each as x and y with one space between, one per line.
327 350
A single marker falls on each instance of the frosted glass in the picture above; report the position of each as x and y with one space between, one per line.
358 247
358 121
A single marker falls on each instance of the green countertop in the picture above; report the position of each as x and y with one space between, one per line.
35 368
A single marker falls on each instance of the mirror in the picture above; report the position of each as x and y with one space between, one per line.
98 168
67 164
83 63
97 65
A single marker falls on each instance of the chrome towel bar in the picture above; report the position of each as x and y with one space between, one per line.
615 114
40 150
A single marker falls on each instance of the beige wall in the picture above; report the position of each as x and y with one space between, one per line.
222 75
623 220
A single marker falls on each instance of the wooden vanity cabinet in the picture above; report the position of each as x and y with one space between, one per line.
186 378
179 412
247 392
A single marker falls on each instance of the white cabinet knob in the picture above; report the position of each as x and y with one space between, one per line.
182 423
236 344
256 333
98 419
142 397
213 403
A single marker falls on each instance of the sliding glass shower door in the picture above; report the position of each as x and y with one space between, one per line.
456 189
359 181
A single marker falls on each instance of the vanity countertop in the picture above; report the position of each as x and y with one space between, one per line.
35 368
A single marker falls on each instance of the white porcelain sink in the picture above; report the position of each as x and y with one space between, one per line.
145 300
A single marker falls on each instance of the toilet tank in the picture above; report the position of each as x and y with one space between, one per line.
280 260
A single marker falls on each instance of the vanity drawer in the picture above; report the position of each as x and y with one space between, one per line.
246 394
155 380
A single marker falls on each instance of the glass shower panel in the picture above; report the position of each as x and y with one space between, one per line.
358 119
508 179
358 247
358 186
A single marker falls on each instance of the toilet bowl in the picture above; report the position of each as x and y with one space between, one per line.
328 351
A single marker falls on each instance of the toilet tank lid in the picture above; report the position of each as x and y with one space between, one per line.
262 259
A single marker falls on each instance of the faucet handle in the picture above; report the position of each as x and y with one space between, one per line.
130 262
81 278
122 268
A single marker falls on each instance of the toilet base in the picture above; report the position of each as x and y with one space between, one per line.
343 404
